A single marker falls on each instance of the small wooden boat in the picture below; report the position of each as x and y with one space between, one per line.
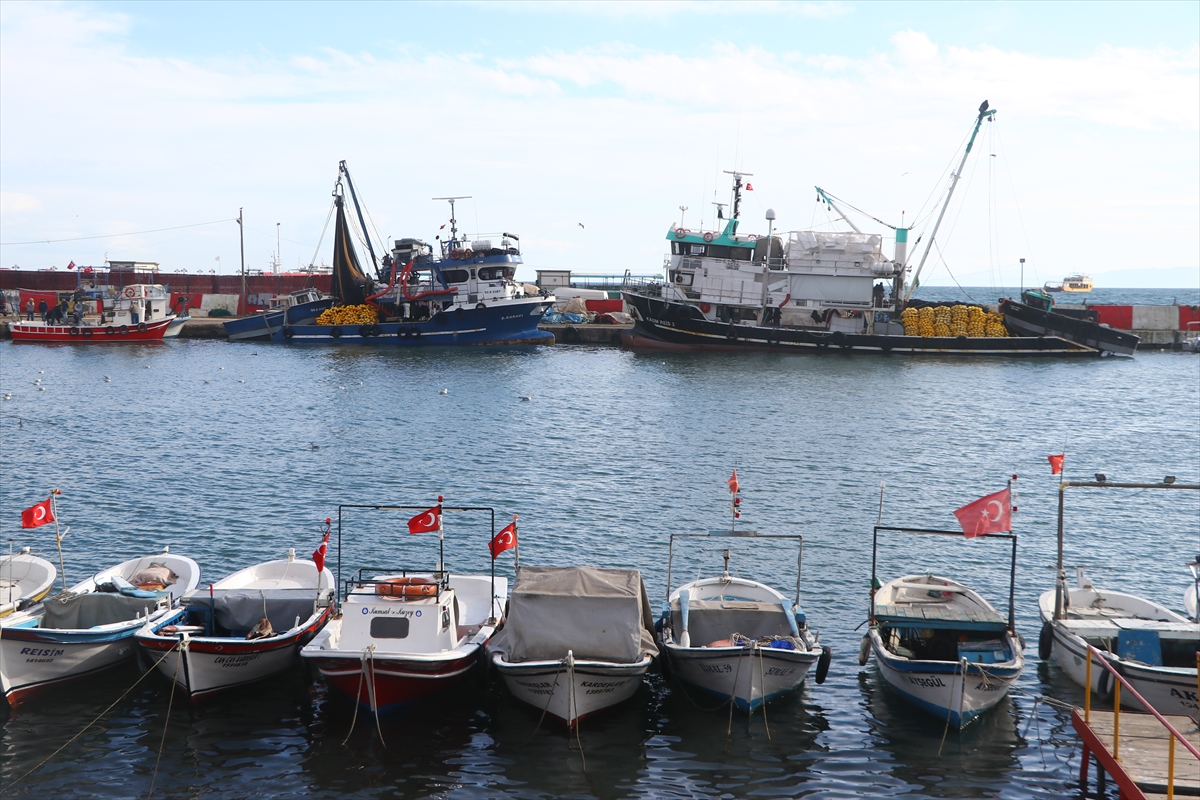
91 627
1151 646
219 632
738 639
24 580
577 641
404 635
941 645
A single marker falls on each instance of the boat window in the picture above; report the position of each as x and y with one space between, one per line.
682 278
389 628
492 273
455 275
696 249
732 253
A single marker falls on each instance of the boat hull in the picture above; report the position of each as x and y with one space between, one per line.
750 676
571 694
506 322
33 659
941 689
1035 322
1171 690
202 666
663 325
85 334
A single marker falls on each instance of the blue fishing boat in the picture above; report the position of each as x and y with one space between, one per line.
461 291
299 306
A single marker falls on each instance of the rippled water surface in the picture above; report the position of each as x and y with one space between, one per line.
209 447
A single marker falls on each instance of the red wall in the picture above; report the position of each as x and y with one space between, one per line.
1120 317
178 282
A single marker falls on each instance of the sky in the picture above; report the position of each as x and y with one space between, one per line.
584 127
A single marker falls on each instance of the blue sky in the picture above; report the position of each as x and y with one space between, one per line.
121 117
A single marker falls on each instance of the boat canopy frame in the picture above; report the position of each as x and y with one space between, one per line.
440 573
1060 575
736 534
1012 571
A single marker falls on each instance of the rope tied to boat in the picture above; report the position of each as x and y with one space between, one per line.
85 729
549 697
182 649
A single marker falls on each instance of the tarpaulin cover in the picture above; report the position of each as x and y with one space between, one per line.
72 612
598 614
241 609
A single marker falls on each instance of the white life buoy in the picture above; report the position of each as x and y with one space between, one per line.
708 237
130 291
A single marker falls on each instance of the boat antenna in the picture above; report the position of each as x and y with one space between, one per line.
58 537
737 194
453 221
984 113
343 169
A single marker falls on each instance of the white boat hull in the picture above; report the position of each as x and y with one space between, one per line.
1171 690
571 693
750 676
941 688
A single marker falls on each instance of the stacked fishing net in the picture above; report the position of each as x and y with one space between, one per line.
957 320
348 315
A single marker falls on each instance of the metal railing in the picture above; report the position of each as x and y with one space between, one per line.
1116 700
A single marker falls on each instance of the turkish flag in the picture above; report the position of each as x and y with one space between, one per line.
991 514
734 486
71 265
319 554
41 514
504 540
426 521
1056 463
749 188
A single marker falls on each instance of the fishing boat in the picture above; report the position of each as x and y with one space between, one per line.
938 643
821 291
1151 646
463 292
302 306
1035 315
577 641
405 635
1077 283
245 627
142 313
739 639
92 626
24 580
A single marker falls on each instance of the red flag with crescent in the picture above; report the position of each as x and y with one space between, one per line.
41 514
319 553
991 514
1056 463
504 540
427 521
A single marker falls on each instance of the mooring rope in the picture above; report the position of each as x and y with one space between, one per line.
763 678
375 696
89 725
182 648
548 699
357 702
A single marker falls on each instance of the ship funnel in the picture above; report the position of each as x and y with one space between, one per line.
901 246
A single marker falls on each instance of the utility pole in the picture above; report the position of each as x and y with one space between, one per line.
1022 278
242 247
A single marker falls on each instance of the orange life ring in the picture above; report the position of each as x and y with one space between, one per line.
456 254
705 307
708 237
406 587
680 233
130 292
468 253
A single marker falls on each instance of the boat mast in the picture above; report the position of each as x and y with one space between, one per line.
737 195
954 176
453 221
354 196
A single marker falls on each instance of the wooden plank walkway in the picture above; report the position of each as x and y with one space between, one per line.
1142 762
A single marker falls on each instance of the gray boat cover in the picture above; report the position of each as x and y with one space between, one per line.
78 611
598 614
241 609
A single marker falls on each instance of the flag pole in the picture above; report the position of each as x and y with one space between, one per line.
516 547
441 540
62 571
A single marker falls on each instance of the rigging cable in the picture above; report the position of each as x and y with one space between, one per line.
113 235
1016 204
329 216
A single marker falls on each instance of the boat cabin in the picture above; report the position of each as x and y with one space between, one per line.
141 302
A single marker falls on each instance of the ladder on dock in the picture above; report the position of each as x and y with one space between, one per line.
1142 752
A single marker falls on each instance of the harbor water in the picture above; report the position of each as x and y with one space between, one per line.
233 453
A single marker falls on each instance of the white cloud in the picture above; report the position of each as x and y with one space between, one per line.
614 136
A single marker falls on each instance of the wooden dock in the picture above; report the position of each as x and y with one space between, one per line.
1140 766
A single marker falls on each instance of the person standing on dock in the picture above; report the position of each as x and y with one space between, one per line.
29 310
43 308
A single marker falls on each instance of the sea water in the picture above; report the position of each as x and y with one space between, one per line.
233 453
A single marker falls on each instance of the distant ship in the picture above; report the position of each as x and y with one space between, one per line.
1071 283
